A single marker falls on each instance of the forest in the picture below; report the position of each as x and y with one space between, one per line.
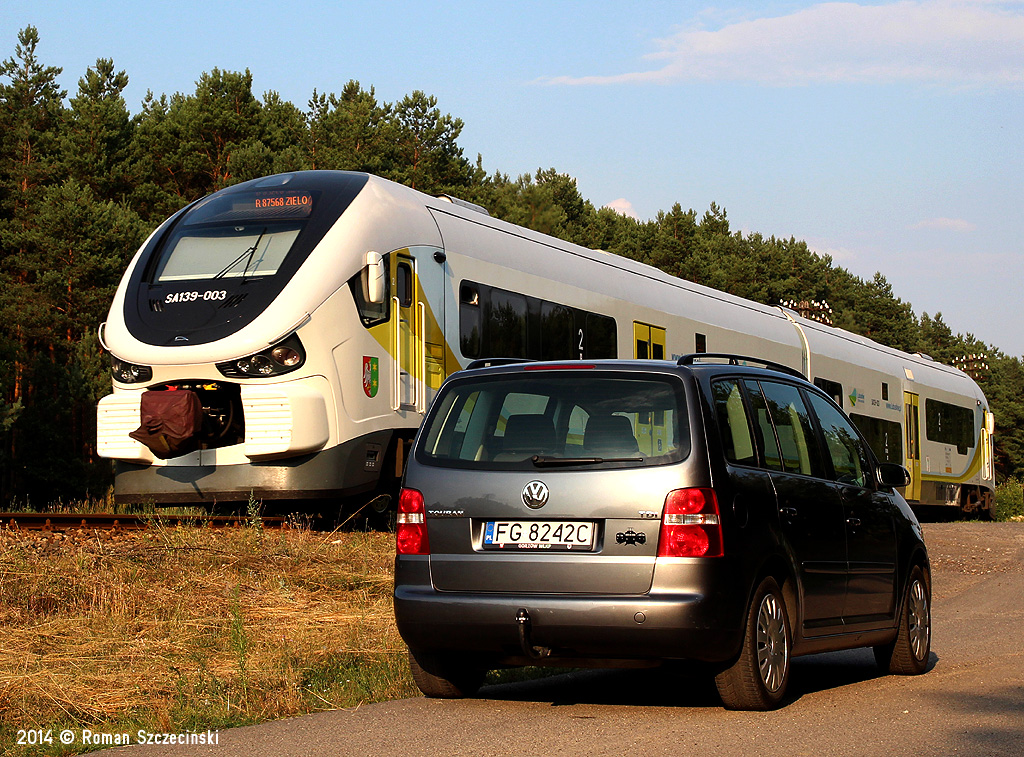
83 181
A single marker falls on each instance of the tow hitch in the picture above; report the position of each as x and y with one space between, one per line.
534 653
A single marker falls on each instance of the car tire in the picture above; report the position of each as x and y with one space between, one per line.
758 678
444 676
908 653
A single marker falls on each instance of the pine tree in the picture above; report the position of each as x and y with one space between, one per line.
96 134
423 146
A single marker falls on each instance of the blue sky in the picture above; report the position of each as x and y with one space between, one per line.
889 135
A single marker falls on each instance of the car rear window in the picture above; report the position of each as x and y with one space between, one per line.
559 419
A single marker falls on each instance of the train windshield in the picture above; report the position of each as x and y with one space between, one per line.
236 236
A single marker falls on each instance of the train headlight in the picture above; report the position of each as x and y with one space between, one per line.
286 356
129 373
281 358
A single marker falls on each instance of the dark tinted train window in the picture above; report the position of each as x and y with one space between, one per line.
505 313
469 320
884 437
370 312
733 423
495 322
949 424
403 285
850 462
556 331
600 341
832 388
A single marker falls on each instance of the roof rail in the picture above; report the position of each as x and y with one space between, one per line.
739 360
487 362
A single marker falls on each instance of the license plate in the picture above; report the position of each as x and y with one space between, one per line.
558 535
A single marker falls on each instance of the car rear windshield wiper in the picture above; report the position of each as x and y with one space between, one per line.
546 461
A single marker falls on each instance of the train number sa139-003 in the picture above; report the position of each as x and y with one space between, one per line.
210 295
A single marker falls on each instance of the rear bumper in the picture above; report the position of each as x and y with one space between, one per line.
684 626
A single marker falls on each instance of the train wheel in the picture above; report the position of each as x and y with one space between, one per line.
381 512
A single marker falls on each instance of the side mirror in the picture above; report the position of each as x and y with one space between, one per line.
893 475
374 277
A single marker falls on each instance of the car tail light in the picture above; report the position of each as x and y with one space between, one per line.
690 525
411 530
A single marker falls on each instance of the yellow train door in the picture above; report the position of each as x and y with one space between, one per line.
417 328
651 434
912 411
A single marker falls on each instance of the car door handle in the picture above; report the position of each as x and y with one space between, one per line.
854 522
789 512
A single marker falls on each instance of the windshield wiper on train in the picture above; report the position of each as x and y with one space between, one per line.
547 461
247 256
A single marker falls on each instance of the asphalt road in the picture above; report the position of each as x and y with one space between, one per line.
971 702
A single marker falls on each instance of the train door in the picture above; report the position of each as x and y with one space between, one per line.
649 342
417 321
987 426
912 424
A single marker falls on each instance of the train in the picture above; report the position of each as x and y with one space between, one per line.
281 339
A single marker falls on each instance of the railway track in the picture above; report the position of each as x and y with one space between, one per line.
113 522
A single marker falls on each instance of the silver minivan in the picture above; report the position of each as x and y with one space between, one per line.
633 512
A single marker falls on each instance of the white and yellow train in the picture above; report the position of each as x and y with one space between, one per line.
313 315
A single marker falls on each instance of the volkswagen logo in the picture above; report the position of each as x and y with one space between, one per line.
535 494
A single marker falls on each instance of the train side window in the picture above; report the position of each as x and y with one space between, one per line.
600 337
555 332
403 284
884 437
505 324
949 424
832 388
370 313
469 319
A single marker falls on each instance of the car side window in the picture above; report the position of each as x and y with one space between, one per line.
850 462
763 427
733 425
797 445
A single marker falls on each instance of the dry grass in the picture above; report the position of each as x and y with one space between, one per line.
184 628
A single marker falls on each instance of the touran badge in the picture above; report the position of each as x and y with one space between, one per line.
535 494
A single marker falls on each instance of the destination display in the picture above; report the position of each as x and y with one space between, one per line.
297 200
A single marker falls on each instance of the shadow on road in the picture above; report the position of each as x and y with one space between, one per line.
681 685
994 717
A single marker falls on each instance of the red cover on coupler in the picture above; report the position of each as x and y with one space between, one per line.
171 420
